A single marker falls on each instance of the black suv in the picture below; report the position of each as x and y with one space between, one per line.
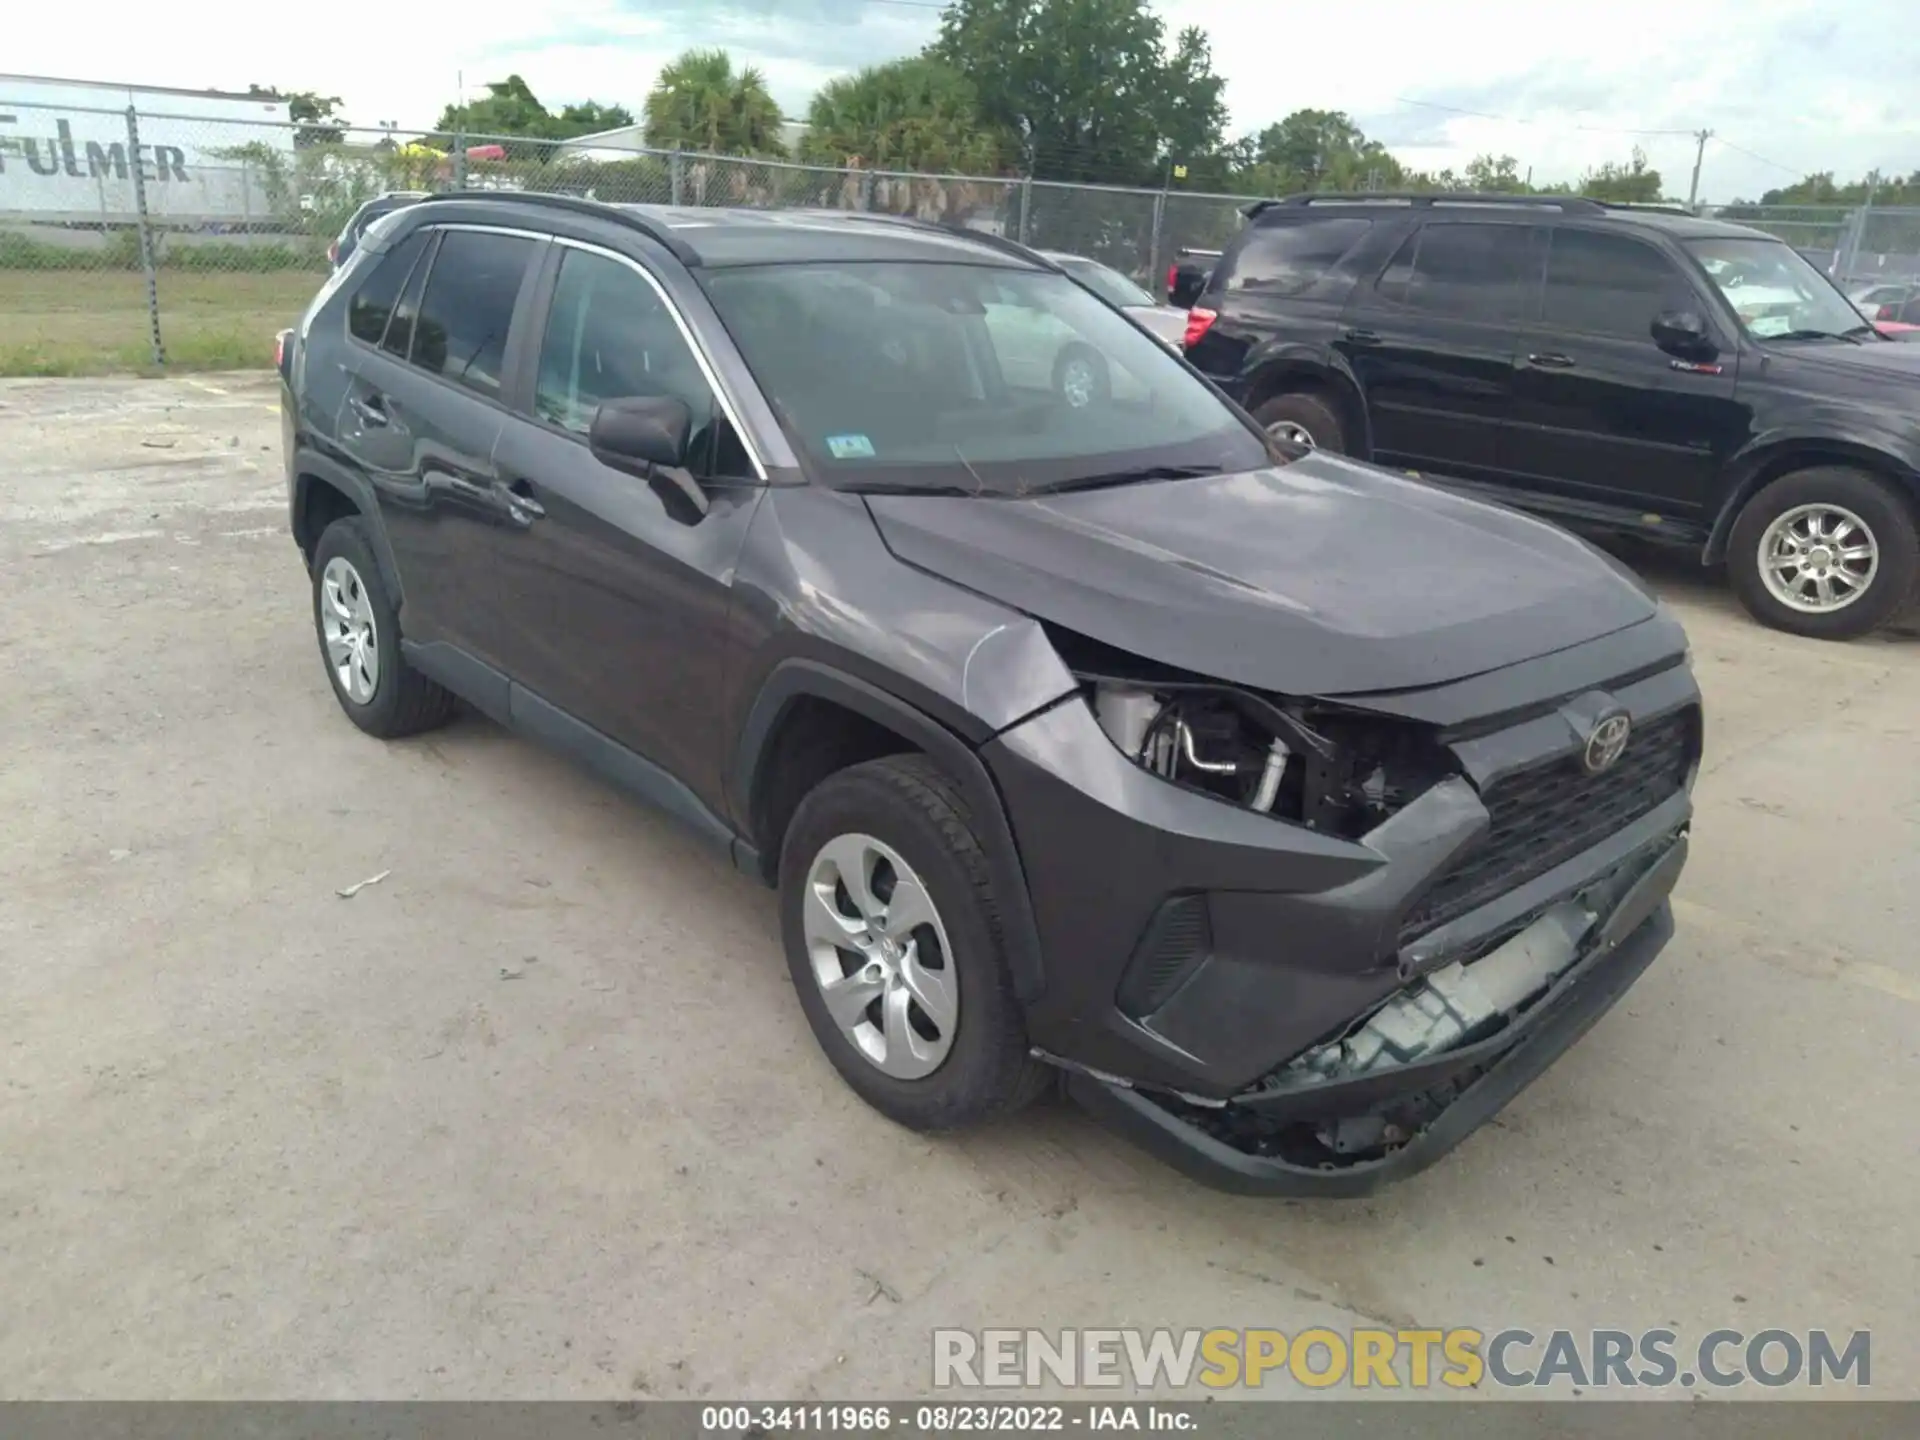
1626 368
1101 736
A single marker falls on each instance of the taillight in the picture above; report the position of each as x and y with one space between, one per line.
333 252
1885 312
1173 276
1198 323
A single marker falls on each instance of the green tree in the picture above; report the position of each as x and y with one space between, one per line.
1318 150
1085 89
1635 182
317 115
508 108
700 102
913 114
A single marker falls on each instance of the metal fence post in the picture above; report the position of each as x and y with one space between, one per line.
138 167
866 189
676 177
459 160
1153 244
1026 206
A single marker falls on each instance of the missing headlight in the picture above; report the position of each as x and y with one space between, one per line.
1333 770
1204 740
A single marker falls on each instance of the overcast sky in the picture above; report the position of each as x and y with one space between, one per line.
1789 86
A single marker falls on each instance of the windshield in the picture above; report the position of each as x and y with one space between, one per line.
970 379
1110 285
1775 291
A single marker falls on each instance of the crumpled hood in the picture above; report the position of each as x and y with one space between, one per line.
1322 577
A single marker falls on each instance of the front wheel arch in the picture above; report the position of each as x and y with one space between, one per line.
797 681
1333 386
1752 475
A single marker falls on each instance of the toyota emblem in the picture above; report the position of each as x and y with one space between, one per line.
1607 742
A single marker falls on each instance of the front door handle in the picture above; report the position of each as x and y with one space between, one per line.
1552 360
1363 337
371 409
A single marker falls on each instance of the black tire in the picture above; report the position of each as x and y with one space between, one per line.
404 702
1312 413
1096 363
1886 513
910 805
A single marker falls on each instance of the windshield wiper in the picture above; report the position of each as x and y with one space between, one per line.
1135 476
1849 336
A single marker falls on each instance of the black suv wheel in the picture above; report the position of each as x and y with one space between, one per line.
1828 552
1305 419
892 932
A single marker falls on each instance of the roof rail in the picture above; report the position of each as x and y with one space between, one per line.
599 209
1423 199
1657 207
914 222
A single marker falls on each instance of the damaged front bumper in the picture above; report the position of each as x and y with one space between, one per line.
1281 1136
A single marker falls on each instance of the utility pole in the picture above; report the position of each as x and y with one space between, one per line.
1699 154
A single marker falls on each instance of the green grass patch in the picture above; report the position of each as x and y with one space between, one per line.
94 322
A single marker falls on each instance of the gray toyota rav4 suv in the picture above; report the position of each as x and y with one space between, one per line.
1292 813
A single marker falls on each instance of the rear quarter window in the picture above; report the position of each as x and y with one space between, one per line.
1286 257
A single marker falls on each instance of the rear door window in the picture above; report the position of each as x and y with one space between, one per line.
1283 258
372 304
467 308
1462 269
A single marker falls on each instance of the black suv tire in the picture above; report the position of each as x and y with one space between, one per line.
1312 414
1886 513
403 701
909 806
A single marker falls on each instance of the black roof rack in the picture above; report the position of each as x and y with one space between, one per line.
1657 207
914 222
600 209
1423 199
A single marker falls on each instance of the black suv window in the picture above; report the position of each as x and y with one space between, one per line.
1604 284
610 336
1283 258
372 304
468 306
406 309
1465 269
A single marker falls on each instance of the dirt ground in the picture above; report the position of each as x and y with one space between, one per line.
538 1115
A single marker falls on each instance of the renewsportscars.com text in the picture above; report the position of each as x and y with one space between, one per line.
1460 1358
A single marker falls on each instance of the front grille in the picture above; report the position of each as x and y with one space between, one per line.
1545 815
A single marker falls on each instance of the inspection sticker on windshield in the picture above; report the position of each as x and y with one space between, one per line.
850 447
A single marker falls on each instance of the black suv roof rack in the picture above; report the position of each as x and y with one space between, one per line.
1657 207
574 204
1422 199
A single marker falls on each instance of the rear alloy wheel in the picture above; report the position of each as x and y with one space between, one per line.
359 635
1829 553
1303 419
892 933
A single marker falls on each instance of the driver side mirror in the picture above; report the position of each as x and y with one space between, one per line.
648 436
1684 333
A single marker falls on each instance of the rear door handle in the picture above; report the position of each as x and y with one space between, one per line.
1363 337
521 504
371 410
1551 361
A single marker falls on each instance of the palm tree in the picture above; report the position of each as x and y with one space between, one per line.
913 114
700 102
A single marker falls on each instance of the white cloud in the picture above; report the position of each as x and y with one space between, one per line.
1803 85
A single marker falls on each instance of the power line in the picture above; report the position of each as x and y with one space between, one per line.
1775 164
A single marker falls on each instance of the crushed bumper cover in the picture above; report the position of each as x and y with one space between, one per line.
1476 1079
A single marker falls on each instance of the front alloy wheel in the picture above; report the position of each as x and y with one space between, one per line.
879 953
1818 558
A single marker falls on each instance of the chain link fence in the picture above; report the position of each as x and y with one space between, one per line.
133 239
